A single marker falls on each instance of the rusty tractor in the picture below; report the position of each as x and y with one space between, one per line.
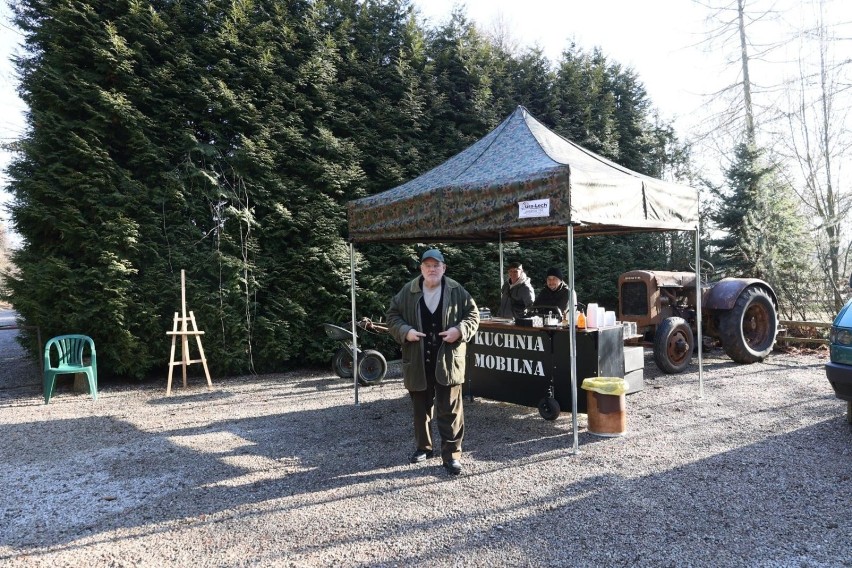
739 313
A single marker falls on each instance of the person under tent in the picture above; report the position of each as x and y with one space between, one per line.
555 292
517 293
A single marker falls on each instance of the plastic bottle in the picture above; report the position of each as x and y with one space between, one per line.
581 320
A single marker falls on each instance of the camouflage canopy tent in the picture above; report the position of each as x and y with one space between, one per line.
523 181
475 195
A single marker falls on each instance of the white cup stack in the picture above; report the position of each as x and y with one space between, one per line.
592 316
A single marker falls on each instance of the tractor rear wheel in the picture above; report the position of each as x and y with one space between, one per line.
673 345
748 330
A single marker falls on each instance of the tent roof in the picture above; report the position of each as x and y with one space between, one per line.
476 195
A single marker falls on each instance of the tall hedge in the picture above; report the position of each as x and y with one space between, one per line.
225 138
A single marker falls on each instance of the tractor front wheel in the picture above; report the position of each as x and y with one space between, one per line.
673 345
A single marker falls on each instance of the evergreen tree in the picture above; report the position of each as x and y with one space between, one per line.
532 80
77 201
587 101
763 233
461 108
303 266
383 93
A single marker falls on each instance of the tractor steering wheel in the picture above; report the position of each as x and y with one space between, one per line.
706 271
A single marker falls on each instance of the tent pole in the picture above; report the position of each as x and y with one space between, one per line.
573 342
500 284
354 324
698 310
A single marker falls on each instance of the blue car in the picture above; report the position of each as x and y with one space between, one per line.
839 368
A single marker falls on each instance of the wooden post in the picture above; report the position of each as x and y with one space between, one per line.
187 327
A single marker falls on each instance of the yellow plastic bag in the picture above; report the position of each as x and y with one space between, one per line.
605 385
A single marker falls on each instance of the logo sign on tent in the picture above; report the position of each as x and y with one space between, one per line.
536 208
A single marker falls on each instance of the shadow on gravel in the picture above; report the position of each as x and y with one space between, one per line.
79 477
179 399
775 501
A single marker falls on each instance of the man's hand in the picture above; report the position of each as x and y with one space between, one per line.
451 335
414 335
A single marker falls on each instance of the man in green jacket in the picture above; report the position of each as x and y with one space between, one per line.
433 317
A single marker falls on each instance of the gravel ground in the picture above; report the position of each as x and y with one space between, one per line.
284 470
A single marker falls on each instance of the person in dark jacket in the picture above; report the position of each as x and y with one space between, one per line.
433 317
517 293
556 292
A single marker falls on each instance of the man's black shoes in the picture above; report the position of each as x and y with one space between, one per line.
453 467
420 455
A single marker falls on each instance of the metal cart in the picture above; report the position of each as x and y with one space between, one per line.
372 365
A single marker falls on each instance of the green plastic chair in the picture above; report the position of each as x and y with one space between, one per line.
69 361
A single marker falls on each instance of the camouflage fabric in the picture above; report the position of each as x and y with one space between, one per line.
475 195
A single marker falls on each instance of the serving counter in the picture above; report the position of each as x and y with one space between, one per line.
529 365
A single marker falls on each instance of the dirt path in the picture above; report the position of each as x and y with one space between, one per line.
17 370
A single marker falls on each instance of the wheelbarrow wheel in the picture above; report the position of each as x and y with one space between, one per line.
341 363
372 367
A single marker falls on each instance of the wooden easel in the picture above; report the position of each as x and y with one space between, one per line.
187 328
